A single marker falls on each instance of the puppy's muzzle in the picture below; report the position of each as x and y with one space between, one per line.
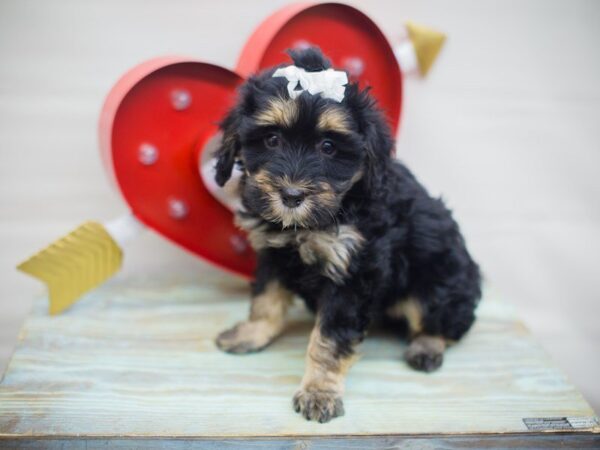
292 197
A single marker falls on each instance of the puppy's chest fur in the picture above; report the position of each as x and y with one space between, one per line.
330 251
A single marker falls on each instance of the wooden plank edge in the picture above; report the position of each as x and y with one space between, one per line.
579 439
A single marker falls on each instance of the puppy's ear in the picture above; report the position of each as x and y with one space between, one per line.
230 146
375 130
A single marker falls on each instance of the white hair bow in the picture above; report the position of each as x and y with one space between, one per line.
329 83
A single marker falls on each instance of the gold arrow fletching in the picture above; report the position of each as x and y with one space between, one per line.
427 43
75 264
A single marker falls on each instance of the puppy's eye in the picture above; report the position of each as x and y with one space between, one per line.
327 147
272 140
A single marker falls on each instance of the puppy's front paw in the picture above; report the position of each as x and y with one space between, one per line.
321 406
245 337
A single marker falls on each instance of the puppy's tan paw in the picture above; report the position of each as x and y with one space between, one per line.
245 337
321 406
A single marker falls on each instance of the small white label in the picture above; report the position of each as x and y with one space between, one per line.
560 423
583 422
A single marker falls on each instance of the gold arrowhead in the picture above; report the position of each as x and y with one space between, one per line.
427 42
75 264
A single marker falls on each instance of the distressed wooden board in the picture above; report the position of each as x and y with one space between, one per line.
136 359
425 442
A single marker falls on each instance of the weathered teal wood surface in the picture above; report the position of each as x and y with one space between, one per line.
136 359
528 441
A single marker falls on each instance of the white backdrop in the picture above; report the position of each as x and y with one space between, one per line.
507 127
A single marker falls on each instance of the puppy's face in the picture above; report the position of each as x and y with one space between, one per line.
299 156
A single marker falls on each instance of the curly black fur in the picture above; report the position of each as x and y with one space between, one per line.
412 246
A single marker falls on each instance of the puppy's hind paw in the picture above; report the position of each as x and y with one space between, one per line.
424 361
425 353
321 406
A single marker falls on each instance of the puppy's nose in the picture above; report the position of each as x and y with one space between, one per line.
292 197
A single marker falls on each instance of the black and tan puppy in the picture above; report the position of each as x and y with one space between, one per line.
336 220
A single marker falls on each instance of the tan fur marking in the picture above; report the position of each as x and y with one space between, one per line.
245 222
324 372
334 119
280 112
289 217
410 309
266 322
263 180
272 304
277 211
285 182
326 196
356 177
258 236
259 239
334 249
320 395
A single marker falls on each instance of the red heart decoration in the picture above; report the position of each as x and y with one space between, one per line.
160 115
153 121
